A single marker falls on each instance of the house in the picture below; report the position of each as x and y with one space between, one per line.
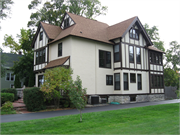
116 62
8 80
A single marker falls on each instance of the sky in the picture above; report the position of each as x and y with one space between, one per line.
165 14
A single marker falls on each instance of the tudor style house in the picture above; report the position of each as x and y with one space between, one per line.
116 62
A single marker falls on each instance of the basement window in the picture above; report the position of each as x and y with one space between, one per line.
132 98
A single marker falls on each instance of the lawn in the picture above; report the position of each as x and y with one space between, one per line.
158 119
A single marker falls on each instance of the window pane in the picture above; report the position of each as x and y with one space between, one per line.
37 59
139 82
116 57
133 78
160 59
137 36
117 77
152 84
117 81
60 49
116 48
12 77
41 36
157 59
125 81
150 58
8 76
134 32
40 80
40 57
108 59
134 35
117 85
131 54
138 54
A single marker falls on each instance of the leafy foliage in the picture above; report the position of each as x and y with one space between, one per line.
171 77
5 8
7 97
17 83
31 79
173 55
25 40
7 106
77 95
56 80
10 90
3 61
154 36
53 11
34 99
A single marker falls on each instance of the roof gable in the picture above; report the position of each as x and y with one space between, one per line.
67 21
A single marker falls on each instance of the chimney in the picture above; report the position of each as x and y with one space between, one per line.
20 53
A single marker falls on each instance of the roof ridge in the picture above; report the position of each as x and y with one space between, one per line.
87 18
124 21
49 24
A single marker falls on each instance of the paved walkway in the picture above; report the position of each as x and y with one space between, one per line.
41 115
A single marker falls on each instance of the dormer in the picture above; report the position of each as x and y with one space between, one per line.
67 21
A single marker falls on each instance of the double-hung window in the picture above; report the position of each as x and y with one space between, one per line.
59 49
139 82
66 23
40 80
104 59
133 33
131 54
9 77
126 85
40 56
138 55
132 78
109 79
117 81
116 53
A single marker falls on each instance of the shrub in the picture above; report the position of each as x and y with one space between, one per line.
178 93
7 106
17 83
10 90
34 99
7 97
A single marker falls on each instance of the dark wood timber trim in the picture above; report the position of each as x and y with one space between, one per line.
121 53
149 75
125 94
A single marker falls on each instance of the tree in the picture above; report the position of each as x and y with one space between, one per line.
17 83
31 79
173 55
77 95
154 36
171 77
24 45
5 8
56 80
52 12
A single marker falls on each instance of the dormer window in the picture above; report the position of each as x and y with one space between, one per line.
41 36
66 23
133 33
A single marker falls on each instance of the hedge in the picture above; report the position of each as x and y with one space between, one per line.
6 97
10 90
33 99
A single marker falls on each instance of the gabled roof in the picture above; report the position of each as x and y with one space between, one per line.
51 30
154 49
10 59
119 29
85 28
92 29
56 63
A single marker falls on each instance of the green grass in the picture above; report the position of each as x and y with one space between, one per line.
158 119
9 112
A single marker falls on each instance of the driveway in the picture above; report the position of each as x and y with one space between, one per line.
41 115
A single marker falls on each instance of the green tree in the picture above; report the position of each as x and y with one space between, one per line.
52 12
173 55
77 95
24 44
153 33
171 77
31 79
56 80
17 83
5 8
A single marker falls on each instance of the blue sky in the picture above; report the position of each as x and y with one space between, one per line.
165 14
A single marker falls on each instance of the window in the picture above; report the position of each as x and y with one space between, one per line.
131 54
117 81
132 98
139 82
109 79
66 23
126 81
134 34
155 58
104 59
156 81
11 85
59 49
132 78
40 56
9 77
40 80
138 55
160 59
116 53
41 36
